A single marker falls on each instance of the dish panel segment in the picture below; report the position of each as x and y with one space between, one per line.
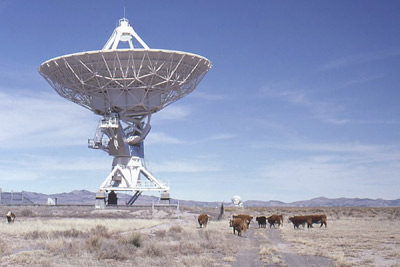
127 82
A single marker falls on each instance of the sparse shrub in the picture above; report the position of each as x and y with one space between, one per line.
196 260
265 251
175 229
175 232
94 242
160 233
68 233
36 235
205 234
152 249
55 245
64 246
229 259
4 248
134 239
100 230
26 213
277 260
109 249
397 214
349 213
190 247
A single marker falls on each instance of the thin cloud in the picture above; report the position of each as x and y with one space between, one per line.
43 120
33 167
161 138
323 110
330 169
361 80
184 166
222 136
361 59
172 112
208 96
330 177
380 152
11 174
215 137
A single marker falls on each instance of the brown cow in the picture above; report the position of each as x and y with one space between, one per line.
262 221
245 217
10 217
203 220
320 218
297 220
275 219
238 225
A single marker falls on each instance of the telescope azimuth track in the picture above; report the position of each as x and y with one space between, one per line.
125 87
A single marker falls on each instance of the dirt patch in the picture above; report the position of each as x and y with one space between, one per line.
293 259
264 247
248 253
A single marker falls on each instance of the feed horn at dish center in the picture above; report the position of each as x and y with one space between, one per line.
125 86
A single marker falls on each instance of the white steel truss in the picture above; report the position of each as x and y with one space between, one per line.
123 33
130 82
125 86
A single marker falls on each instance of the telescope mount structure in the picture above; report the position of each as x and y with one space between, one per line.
125 86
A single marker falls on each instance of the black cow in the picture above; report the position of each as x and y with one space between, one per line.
262 221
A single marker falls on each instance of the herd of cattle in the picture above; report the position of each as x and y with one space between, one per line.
240 223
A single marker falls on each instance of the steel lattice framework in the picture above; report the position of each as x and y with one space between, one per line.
131 83
125 85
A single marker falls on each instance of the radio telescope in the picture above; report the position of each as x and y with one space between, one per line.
237 201
125 86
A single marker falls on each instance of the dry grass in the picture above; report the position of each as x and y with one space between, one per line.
59 236
43 241
31 229
354 237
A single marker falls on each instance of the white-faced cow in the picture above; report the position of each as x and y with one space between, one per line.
10 217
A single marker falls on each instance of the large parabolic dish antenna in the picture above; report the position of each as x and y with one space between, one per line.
125 86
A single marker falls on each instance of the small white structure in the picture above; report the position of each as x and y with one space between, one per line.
51 202
125 87
237 201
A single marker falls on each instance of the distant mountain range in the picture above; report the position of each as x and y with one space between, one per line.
327 202
85 197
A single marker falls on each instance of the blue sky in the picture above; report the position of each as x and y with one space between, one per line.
302 99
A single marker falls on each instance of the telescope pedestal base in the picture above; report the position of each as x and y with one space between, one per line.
129 174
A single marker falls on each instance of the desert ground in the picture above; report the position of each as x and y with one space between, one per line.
171 236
